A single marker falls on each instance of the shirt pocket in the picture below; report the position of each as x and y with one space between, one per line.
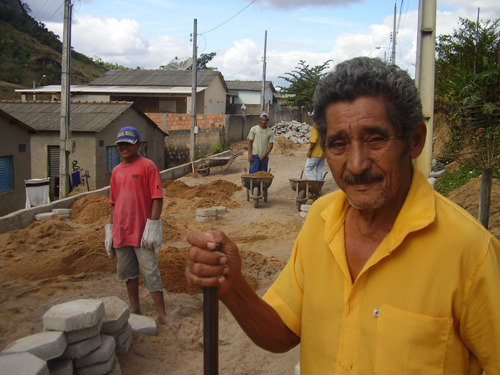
410 343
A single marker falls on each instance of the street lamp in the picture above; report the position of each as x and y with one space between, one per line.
35 85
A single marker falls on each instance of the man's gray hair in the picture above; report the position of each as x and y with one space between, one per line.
371 77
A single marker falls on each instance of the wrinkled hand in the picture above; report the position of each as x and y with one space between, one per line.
213 260
153 235
108 241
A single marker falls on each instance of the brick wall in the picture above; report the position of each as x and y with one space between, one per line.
176 121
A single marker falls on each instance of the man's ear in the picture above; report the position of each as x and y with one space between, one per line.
418 141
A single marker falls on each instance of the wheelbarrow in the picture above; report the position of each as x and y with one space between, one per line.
257 186
204 166
306 189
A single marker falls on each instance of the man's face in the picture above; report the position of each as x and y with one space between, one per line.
369 163
263 122
128 151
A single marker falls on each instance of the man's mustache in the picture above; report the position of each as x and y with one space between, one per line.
364 178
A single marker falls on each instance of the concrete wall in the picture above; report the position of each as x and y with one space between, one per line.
217 94
11 144
22 218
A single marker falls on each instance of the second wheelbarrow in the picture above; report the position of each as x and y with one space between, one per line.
257 185
306 189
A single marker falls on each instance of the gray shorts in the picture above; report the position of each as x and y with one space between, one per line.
128 261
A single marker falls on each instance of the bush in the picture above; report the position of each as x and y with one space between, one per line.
217 149
453 180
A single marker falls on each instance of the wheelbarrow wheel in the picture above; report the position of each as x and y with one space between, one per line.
203 169
301 198
264 193
255 200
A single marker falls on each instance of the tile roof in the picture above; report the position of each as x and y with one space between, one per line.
157 77
85 116
248 85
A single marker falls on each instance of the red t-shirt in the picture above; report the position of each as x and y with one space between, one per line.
133 188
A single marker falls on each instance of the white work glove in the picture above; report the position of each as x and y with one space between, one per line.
108 241
152 236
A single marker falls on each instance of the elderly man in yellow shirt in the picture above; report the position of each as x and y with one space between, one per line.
386 275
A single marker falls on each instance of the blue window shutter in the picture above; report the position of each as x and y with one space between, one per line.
112 158
6 183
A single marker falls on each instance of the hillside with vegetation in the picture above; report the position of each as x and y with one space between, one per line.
31 53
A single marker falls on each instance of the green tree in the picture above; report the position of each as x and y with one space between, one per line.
471 48
303 81
468 82
204 59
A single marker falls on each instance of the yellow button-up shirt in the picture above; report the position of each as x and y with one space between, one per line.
317 151
427 302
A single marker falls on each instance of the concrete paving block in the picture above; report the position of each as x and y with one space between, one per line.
45 345
116 314
98 368
220 209
102 354
117 333
201 219
81 348
23 363
305 207
125 347
303 214
83 334
74 315
44 216
60 366
116 368
121 338
207 212
62 211
142 325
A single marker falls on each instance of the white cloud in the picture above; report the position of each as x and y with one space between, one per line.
289 4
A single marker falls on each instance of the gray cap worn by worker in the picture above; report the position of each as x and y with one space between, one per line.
264 114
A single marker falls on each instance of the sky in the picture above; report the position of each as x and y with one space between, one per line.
152 33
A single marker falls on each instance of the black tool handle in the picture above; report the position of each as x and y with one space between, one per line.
210 331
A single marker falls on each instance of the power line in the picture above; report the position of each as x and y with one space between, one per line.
223 23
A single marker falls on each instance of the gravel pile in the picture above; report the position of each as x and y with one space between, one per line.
297 132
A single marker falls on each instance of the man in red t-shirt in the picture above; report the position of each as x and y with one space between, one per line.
134 233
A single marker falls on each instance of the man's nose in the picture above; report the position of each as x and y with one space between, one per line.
358 158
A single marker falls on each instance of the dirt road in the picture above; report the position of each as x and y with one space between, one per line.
60 260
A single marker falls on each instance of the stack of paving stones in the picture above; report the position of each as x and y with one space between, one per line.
297 132
80 337
116 325
212 213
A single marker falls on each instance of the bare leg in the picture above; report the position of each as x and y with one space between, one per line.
160 309
133 295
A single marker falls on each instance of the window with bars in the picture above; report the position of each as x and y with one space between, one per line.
112 158
6 175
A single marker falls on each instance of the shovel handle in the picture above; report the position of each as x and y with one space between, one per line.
210 331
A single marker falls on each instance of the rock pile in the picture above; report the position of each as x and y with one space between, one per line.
80 337
297 132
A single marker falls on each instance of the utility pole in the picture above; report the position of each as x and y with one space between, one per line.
393 55
424 76
65 103
263 91
194 126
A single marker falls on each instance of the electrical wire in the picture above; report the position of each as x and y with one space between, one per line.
229 19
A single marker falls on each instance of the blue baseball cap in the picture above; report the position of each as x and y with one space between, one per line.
128 134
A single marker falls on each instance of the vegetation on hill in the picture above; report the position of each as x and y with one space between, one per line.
31 55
